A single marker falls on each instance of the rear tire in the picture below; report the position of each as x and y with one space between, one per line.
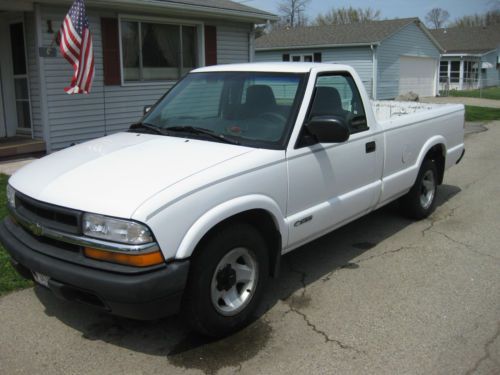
227 278
420 201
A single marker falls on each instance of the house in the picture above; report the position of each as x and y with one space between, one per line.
142 47
471 57
392 56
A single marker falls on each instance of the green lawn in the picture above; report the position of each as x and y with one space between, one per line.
488 93
473 113
9 279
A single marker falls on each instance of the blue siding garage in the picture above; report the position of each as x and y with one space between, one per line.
412 47
358 57
392 56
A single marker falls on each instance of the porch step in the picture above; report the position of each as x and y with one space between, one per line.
15 147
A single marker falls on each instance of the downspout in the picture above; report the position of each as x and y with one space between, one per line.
251 46
41 76
374 71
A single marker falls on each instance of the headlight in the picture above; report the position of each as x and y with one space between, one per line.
11 196
116 230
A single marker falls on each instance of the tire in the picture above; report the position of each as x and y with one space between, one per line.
231 265
420 201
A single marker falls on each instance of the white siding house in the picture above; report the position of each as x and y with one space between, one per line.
471 57
33 101
392 56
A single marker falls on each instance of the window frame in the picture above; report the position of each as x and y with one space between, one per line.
22 131
200 50
302 57
294 111
344 73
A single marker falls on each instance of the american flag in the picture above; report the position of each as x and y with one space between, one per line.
76 47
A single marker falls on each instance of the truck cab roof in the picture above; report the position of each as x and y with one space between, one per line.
283 67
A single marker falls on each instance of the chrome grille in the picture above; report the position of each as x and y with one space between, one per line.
47 215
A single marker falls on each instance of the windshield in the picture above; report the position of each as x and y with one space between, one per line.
255 109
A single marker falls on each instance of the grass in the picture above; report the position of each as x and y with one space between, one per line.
9 279
473 113
487 93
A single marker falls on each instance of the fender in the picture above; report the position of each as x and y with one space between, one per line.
433 141
226 210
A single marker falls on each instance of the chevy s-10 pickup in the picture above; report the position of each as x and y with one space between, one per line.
192 208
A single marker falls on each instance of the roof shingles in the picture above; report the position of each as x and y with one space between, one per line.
222 4
468 39
332 35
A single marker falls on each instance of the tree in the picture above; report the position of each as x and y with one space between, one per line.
260 30
341 16
491 17
437 17
293 12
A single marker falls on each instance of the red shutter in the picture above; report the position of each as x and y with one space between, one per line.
210 45
110 51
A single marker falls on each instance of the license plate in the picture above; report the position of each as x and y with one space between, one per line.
41 279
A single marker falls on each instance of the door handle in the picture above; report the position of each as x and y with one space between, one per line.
370 147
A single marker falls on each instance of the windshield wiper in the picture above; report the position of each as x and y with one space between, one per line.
146 126
203 131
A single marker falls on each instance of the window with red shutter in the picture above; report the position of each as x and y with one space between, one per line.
210 45
110 51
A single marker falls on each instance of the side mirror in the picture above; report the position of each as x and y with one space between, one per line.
146 109
328 129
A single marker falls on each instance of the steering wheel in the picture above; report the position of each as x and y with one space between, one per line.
273 116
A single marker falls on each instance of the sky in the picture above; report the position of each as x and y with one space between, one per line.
388 8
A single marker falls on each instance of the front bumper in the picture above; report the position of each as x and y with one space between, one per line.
149 295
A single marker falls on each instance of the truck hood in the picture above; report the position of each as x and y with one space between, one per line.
115 174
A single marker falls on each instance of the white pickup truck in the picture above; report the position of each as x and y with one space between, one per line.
236 165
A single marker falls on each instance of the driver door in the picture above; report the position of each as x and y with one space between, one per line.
331 184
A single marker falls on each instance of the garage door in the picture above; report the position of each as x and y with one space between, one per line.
417 74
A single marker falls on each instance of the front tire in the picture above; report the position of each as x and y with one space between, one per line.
226 281
420 201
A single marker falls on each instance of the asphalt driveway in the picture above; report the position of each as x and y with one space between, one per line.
383 295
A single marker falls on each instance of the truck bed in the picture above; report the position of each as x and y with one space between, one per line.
385 110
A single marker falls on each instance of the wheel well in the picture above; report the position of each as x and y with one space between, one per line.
437 154
264 222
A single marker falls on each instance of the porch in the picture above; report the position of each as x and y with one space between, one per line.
463 72
19 134
459 73
20 146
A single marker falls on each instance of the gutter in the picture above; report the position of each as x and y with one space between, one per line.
145 5
44 106
310 46
465 54
374 71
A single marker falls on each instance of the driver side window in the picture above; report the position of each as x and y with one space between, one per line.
338 95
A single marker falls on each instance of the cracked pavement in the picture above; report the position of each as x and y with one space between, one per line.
382 295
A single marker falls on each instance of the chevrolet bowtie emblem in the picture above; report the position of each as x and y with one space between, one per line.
36 229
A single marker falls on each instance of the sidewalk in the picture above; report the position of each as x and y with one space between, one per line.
10 166
491 103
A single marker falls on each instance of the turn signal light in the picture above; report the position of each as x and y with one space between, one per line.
136 260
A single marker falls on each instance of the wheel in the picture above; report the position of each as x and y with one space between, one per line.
420 201
227 278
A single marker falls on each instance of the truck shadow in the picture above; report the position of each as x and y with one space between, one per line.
169 337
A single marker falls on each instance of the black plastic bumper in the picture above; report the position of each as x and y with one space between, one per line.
149 295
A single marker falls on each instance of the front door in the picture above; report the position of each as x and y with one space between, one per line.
14 83
3 129
331 184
